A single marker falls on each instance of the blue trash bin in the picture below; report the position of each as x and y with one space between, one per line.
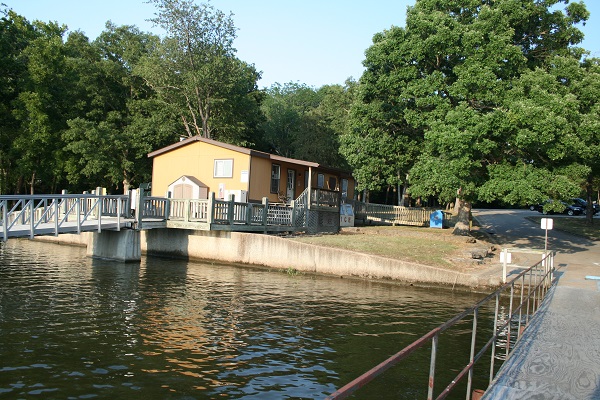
436 219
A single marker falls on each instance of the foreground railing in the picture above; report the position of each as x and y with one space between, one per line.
27 215
531 284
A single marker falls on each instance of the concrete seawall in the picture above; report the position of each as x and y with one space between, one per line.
277 252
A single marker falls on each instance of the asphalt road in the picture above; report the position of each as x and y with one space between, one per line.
510 228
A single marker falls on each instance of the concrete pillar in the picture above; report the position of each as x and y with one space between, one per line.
122 245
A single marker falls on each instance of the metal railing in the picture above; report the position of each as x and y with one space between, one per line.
532 284
27 215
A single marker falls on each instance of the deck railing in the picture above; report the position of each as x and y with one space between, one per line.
230 212
524 295
322 198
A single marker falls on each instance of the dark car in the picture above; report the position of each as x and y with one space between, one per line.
569 209
579 202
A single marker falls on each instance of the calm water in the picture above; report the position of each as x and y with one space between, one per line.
76 328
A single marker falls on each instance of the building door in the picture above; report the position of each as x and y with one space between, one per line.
182 191
291 185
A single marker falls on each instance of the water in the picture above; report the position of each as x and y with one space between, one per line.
76 328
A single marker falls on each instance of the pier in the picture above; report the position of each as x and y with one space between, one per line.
558 356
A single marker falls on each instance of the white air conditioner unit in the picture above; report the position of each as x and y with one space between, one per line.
241 196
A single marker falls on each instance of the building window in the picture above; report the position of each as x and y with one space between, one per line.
332 183
275 177
320 181
223 169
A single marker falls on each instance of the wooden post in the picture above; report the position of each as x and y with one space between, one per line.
167 205
139 208
66 204
265 202
309 187
210 218
230 209
293 214
249 208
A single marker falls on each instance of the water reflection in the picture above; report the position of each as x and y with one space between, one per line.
73 327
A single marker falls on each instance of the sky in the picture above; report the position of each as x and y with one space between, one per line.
312 42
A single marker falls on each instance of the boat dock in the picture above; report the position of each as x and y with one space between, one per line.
558 356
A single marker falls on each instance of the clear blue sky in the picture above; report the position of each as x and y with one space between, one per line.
316 42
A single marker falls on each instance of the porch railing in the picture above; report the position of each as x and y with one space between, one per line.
532 284
227 212
322 198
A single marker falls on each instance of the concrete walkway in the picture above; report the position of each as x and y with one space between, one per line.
558 356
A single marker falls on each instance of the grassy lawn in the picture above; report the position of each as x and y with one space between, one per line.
575 226
427 246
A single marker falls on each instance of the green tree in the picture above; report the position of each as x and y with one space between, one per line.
42 108
449 74
385 131
15 34
305 123
121 120
552 138
194 69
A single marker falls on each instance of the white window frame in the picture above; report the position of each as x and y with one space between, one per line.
223 168
275 177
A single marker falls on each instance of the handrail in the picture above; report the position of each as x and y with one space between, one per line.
532 294
29 214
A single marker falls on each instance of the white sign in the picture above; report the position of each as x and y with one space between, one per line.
547 223
244 176
506 257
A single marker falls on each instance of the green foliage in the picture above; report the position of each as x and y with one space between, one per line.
195 71
304 123
477 100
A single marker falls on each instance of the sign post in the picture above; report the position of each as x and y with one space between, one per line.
547 224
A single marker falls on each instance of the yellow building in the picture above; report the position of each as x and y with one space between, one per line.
196 166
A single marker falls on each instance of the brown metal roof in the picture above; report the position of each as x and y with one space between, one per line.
243 150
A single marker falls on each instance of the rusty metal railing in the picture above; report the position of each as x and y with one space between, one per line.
532 284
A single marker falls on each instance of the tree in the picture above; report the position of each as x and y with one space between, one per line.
450 73
553 138
305 123
195 70
42 107
121 120
15 34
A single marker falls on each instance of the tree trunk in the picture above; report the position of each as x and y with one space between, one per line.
126 184
31 187
463 224
589 212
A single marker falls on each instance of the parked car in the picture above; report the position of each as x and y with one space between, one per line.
569 209
579 202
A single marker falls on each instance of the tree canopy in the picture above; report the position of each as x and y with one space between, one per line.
473 96
195 71
471 100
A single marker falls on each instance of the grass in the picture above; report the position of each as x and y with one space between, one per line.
574 226
419 245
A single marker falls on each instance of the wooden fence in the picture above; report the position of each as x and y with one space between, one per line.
388 214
